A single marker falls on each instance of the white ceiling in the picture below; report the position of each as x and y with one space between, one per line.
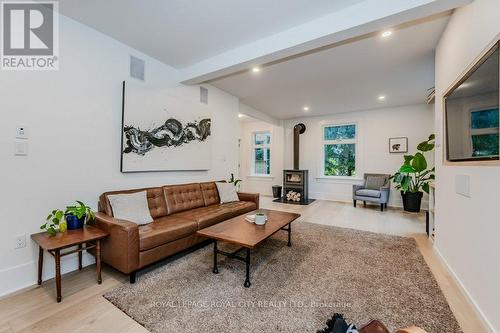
184 32
243 118
345 78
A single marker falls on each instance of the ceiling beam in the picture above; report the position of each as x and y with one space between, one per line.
363 18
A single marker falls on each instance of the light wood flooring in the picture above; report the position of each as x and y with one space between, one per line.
83 309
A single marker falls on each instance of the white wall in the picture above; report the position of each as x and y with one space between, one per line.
467 229
74 119
375 127
261 184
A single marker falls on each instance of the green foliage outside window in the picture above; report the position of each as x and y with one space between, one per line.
340 160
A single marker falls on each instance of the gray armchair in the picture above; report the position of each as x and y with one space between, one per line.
376 188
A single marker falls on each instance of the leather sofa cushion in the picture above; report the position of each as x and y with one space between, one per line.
206 216
180 198
210 193
156 201
368 193
239 207
164 230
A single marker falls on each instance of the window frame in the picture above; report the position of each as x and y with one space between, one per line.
479 131
354 141
255 146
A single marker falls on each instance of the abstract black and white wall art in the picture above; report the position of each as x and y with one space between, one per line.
162 132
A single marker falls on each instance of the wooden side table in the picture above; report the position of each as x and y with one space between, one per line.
86 238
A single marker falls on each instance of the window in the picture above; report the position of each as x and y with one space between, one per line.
339 150
261 151
484 132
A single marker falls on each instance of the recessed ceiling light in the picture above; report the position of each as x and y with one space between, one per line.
305 108
256 69
381 98
240 115
386 33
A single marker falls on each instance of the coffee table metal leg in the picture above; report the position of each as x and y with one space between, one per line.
58 274
215 270
247 283
290 235
40 264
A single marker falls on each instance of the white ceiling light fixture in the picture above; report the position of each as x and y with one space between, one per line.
387 34
306 108
256 69
381 98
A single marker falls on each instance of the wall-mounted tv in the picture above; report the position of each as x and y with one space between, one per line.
472 112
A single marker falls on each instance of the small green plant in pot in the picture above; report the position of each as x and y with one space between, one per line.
413 177
73 217
76 215
233 180
53 223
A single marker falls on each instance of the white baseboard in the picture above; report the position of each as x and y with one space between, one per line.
25 275
487 324
393 201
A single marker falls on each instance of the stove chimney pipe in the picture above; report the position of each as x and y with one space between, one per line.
297 130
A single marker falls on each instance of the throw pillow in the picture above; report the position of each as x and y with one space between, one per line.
374 182
227 192
131 207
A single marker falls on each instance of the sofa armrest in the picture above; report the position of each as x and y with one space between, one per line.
384 194
253 197
121 248
355 188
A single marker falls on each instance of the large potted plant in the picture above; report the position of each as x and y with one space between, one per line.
413 177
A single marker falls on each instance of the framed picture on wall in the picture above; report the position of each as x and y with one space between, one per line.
398 145
163 132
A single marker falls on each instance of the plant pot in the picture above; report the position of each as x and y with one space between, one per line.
74 223
412 201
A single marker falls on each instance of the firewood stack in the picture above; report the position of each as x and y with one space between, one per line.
293 196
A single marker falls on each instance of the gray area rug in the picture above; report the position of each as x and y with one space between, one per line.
360 274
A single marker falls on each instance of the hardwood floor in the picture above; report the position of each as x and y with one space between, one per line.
83 308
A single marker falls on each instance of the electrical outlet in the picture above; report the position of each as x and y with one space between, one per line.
20 242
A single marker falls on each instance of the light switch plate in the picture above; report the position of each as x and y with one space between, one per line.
22 132
462 185
21 148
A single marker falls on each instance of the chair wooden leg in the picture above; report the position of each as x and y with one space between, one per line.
58 275
40 265
364 203
354 203
382 207
80 254
98 260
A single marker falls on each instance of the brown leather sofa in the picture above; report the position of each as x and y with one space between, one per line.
178 212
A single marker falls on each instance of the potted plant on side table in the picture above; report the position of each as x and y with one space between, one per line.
414 177
74 217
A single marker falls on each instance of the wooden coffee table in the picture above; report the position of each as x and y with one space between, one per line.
248 235
90 236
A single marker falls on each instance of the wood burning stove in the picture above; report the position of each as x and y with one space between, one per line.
296 182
